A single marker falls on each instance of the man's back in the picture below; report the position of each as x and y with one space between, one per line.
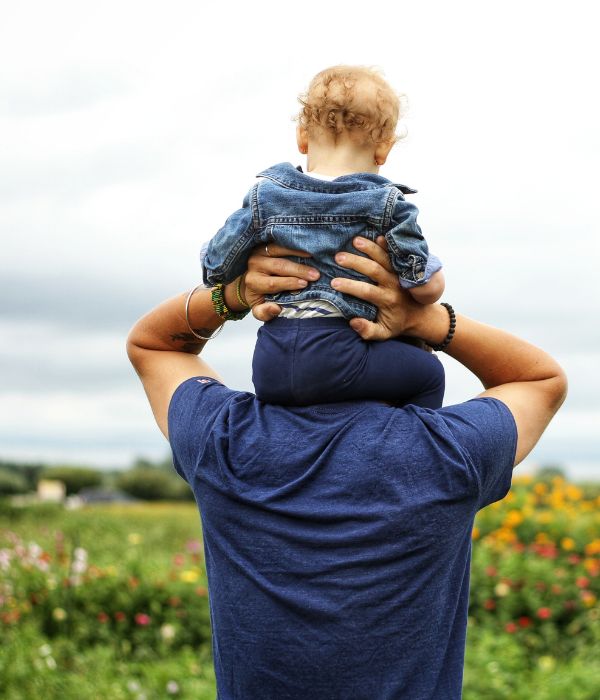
338 538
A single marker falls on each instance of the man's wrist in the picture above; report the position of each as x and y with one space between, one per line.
429 323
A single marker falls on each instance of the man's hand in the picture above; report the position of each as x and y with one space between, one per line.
397 308
271 273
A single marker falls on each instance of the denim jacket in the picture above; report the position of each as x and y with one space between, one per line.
322 217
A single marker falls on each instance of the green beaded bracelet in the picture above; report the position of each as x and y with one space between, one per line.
217 296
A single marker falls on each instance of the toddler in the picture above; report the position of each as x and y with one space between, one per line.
309 354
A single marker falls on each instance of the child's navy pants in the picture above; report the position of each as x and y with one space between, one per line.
299 362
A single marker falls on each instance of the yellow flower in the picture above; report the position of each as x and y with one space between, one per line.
547 663
573 493
567 543
134 538
588 598
593 547
189 576
59 614
502 589
513 518
540 488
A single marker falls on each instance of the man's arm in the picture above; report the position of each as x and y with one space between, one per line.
530 382
163 351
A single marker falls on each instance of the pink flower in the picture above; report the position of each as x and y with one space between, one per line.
544 613
142 619
510 627
582 582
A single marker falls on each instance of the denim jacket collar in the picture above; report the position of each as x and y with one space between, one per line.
287 175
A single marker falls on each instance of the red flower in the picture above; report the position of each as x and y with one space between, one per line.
491 570
524 621
544 613
510 627
556 588
582 582
489 604
142 619
120 616
103 617
573 559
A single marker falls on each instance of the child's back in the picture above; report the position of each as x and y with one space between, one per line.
310 354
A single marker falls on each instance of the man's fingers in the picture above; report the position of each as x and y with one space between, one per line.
281 267
377 251
260 284
370 268
266 312
277 251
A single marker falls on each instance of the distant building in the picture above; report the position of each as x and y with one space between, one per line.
51 491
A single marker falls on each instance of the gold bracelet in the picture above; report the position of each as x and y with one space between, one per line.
238 291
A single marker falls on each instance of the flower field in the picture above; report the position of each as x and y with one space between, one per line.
111 602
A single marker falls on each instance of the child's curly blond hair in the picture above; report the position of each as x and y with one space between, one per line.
352 99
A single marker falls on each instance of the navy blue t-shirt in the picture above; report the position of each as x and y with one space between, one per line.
338 538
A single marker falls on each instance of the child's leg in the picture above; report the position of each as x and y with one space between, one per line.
400 373
320 361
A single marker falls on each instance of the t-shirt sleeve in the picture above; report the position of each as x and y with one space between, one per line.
194 407
486 432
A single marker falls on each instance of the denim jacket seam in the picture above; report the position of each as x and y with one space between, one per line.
332 188
389 208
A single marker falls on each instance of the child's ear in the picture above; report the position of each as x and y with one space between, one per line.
382 151
302 139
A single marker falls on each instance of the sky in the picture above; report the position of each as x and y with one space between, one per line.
130 130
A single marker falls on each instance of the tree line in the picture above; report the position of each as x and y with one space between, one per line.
144 479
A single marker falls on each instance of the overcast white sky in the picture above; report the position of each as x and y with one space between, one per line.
130 130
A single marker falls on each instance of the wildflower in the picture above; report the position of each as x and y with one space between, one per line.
502 589
133 582
556 589
201 591
588 598
172 687
174 601
179 560
547 663
510 627
489 604
524 621
168 632
45 650
582 582
133 686
51 663
194 546
79 554
103 617
142 619
544 613
573 559
120 616
567 543
491 570
134 538
59 614
189 576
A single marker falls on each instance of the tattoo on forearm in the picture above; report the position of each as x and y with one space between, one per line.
191 344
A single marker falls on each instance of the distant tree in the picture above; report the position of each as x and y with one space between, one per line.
153 484
74 478
29 471
11 482
549 471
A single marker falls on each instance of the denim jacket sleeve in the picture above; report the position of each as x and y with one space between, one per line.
406 245
228 251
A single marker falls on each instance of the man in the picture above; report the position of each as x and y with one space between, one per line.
338 536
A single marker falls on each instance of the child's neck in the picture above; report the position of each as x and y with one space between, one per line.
343 159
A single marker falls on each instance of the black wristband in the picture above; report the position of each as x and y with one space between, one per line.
448 339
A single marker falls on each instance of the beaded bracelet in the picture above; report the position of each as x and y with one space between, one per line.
217 296
448 339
